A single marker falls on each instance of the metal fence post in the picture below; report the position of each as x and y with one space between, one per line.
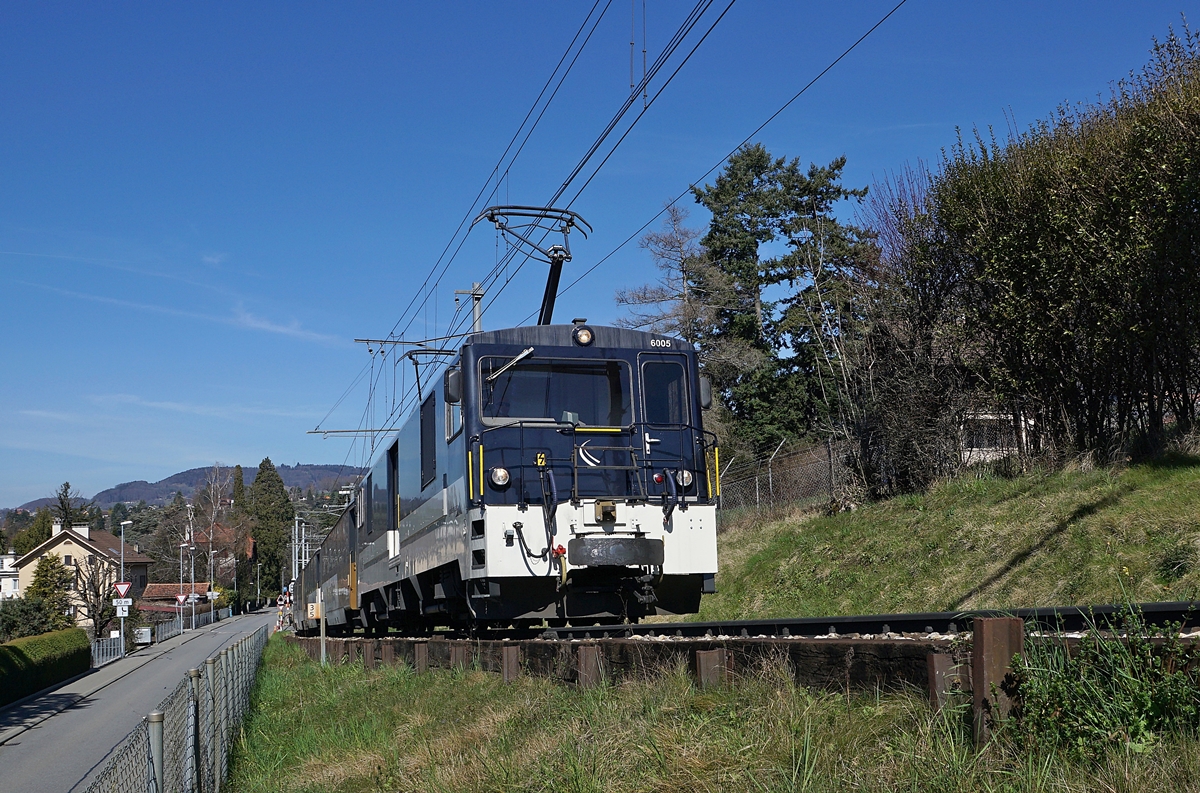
210 666
193 773
155 720
224 706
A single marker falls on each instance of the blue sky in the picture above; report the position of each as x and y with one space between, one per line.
201 205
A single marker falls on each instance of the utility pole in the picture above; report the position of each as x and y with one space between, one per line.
124 523
295 546
476 293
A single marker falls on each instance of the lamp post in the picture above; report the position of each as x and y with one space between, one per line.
258 588
182 545
124 523
192 597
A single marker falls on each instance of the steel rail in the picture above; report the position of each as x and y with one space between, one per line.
1056 619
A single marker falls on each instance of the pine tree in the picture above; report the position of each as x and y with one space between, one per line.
272 512
52 586
239 490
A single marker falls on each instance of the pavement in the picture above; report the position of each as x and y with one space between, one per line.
58 741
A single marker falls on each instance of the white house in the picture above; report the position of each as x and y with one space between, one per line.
10 577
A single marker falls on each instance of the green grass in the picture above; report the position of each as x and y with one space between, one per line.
348 730
1042 539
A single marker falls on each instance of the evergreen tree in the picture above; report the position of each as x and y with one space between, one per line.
38 532
239 490
51 585
272 512
67 507
765 358
118 513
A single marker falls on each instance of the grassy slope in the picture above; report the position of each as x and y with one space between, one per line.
1069 537
349 730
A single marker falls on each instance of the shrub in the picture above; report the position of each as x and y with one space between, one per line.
35 662
1107 691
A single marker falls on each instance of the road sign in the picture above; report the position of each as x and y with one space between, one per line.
181 598
193 597
122 588
122 611
122 601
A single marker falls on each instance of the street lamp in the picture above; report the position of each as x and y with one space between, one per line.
192 597
182 545
258 591
124 523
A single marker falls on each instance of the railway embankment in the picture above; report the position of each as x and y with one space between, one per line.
1045 538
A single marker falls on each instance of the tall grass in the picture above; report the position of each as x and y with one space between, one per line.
347 729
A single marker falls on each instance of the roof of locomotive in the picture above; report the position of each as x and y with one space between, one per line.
560 336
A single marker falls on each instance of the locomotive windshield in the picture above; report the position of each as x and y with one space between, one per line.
588 393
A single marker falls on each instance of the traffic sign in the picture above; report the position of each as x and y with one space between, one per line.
122 611
181 598
122 588
122 601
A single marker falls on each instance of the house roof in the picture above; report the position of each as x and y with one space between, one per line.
169 591
101 542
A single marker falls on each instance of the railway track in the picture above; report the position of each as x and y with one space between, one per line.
1055 619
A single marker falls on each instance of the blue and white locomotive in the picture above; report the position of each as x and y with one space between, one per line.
555 473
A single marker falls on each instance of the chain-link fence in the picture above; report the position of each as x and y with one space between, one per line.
184 744
808 474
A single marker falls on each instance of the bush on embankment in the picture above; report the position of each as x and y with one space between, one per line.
35 662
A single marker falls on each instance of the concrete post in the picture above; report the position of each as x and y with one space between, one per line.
156 747
193 773
421 657
510 662
588 666
938 667
995 642
712 667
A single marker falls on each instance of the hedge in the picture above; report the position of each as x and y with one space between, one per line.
29 664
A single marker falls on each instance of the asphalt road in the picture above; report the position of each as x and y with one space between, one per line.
58 741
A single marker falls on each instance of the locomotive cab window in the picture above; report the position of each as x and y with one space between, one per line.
589 393
428 446
454 422
664 390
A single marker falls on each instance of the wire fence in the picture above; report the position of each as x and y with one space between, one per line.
184 744
808 474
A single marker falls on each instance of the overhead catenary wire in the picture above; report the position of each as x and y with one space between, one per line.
732 151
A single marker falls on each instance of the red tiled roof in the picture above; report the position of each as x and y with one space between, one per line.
169 591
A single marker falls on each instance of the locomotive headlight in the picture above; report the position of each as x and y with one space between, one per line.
583 335
499 477
683 477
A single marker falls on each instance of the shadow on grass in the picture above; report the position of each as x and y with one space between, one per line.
1056 531
1171 461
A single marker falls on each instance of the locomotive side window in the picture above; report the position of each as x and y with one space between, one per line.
428 434
664 387
588 393
453 420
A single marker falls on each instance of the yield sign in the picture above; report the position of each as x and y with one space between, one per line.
181 598
122 588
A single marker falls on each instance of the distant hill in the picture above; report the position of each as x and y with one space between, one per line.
319 477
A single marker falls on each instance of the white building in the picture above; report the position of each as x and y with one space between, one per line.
10 586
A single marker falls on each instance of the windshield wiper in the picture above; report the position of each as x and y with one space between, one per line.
522 355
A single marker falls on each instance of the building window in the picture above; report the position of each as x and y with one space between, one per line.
67 559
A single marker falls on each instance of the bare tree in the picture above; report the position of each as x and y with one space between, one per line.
93 593
667 305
